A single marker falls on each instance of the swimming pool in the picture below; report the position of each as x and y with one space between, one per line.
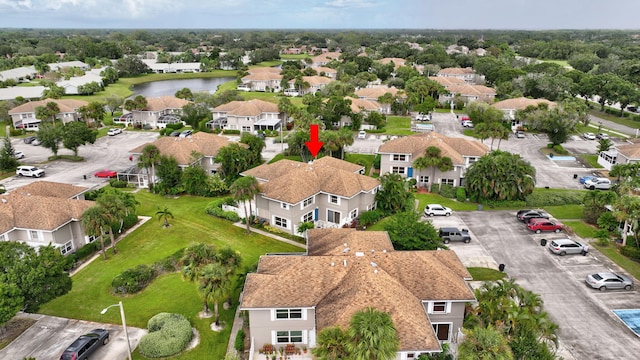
631 318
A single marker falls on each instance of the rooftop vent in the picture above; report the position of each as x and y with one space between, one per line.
345 262
374 264
359 253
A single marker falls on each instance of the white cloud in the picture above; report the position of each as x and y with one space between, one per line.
351 3
16 4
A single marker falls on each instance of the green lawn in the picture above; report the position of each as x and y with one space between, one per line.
398 125
362 159
592 160
148 244
485 274
581 228
565 211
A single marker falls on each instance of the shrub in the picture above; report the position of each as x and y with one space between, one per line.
168 264
461 194
168 335
239 342
87 250
231 132
214 208
554 198
370 217
118 183
133 280
447 191
631 252
435 188
376 162
559 149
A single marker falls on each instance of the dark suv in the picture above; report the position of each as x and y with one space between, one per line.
454 234
85 345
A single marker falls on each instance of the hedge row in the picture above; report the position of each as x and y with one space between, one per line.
214 208
554 198
168 335
631 252
135 279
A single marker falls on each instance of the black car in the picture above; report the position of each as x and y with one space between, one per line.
175 133
29 139
85 345
525 215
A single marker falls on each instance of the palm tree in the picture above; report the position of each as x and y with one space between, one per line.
433 158
627 209
372 336
244 189
148 159
484 344
214 286
331 344
94 220
194 258
115 206
345 138
164 214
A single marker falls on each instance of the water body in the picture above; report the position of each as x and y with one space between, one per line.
169 87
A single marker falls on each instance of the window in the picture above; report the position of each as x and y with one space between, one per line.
34 235
288 337
439 307
288 313
333 216
284 206
448 182
307 202
246 129
353 214
442 331
333 199
280 222
91 238
398 169
399 157
472 160
308 217
423 179
67 247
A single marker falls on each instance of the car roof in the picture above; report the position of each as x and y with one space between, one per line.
564 241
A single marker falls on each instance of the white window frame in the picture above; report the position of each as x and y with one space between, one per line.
304 337
66 247
246 128
34 235
399 157
308 217
332 218
354 213
336 197
398 170
3 237
430 307
308 201
451 182
302 312
278 219
284 205
450 332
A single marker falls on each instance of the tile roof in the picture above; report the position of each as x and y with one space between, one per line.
51 189
521 103
25 211
358 105
315 80
630 151
468 89
397 62
457 71
447 80
376 92
253 107
165 102
324 69
264 69
262 75
65 105
182 148
339 285
326 57
454 148
291 181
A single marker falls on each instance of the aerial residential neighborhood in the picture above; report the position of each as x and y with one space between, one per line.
327 194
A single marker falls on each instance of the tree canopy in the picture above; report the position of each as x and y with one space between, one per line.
501 176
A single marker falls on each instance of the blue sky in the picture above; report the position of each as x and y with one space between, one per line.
322 14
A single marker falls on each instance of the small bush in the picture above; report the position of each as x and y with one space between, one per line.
461 194
133 280
553 198
239 342
87 250
370 217
118 183
447 191
559 149
376 162
435 188
168 335
631 252
214 208
231 132
168 264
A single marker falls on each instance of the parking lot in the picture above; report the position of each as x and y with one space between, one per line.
588 328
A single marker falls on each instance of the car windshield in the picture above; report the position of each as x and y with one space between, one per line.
597 276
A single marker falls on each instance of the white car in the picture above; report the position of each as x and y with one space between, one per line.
467 123
362 134
598 183
437 209
589 136
31 171
519 134
114 131
602 136
18 154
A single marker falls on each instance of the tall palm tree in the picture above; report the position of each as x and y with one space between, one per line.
148 159
164 214
345 138
94 220
627 209
194 258
214 286
372 336
244 189
433 158
116 207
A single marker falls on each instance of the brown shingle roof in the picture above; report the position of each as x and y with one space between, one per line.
262 75
447 80
291 181
457 71
397 62
51 189
454 148
165 102
630 151
376 92
65 105
315 80
182 148
338 164
253 107
468 89
358 105
326 57
521 103
264 69
324 69
338 285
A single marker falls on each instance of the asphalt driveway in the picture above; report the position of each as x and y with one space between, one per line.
588 328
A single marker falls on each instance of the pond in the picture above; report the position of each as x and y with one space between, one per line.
169 87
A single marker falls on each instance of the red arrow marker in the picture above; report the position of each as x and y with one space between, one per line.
314 145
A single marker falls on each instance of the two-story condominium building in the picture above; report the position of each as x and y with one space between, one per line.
374 93
324 58
290 299
510 107
159 112
44 213
399 155
24 116
469 93
315 83
467 74
622 154
261 79
246 116
326 71
328 192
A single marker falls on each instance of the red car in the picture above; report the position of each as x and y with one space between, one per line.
538 225
106 174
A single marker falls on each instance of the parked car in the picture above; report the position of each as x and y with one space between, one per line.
27 170
602 136
86 345
589 136
18 154
467 123
539 225
175 133
35 142
29 139
586 177
608 280
106 174
598 183
454 234
423 117
362 134
563 247
186 133
114 131
519 134
437 209
526 215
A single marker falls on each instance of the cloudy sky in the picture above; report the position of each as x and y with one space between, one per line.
322 14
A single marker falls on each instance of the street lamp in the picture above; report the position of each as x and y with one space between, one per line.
124 324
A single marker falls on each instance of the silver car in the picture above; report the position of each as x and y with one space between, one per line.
608 280
563 247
